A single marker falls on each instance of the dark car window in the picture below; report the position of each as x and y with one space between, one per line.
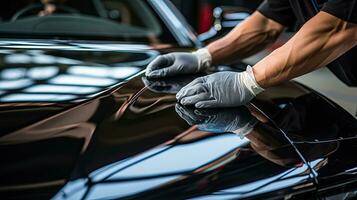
127 20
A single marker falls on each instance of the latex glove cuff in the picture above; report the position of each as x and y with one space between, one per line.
249 81
204 59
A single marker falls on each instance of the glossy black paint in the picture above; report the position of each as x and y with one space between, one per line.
52 80
325 135
129 139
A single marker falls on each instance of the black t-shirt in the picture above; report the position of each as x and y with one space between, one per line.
282 11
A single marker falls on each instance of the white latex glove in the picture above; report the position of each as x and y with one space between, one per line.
179 63
222 89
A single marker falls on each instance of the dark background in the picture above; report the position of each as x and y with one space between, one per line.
199 13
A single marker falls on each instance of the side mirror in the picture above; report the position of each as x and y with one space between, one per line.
225 19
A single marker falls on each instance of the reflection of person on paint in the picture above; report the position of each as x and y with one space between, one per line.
48 8
53 6
44 8
265 138
321 40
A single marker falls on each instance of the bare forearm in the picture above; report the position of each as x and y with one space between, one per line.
249 37
321 40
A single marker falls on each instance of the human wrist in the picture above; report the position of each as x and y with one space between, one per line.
204 58
250 82
259 77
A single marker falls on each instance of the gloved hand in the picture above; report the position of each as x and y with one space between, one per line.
179 63
222 89
237 120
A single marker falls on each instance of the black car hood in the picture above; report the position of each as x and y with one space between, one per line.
38 79
131 140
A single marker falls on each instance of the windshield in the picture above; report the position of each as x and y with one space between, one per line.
125 20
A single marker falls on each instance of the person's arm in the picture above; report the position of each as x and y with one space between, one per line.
321 40
249 37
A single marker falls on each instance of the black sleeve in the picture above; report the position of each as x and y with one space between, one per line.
279 11
343 9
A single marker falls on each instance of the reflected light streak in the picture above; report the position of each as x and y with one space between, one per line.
36 97
114 47
285 179
18 58
270 187
183 157
114 72
13 73
78 80
67 61
62 89
13 42
117 190
44 59
124 72
14 84
56 47
39 73
38 58
106 171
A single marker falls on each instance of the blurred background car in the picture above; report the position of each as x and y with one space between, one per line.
103 20
203 12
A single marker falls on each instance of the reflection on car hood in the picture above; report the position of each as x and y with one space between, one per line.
39 78
133 142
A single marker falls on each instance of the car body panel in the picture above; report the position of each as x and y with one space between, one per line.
79 120
128 140
324 134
